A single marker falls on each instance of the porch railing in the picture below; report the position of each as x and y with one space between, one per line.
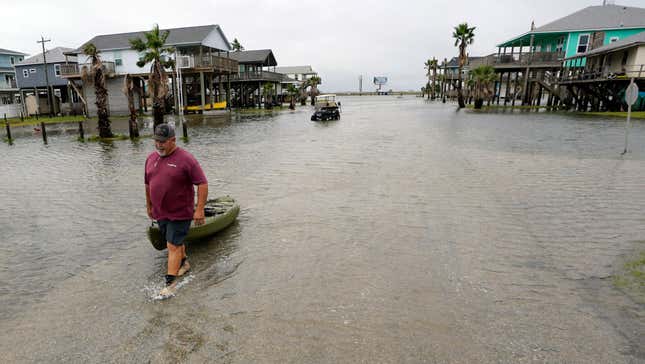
258 76
223 64
584 74
526 58
74 69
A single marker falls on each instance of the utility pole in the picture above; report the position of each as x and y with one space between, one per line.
360 85
50 99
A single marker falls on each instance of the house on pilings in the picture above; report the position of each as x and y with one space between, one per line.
256 69
201 55
531 66
608 70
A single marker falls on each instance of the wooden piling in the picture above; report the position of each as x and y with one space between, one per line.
185 129
44 131
6 123
81 132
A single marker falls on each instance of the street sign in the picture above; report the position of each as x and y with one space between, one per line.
631 94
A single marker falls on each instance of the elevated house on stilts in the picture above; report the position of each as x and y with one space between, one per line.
256 69
533 66
201 55
608 70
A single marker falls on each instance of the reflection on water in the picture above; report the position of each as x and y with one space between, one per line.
404 232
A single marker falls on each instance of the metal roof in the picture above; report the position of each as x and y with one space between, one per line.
54 55
601 17
634 40
10 52
261 56
177 36
300 70
598 17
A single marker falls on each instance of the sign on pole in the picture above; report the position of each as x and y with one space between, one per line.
631 95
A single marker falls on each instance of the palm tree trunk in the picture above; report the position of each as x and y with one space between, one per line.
462 61
105 131
132 123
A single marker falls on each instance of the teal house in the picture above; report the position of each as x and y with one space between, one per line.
8 88
574 34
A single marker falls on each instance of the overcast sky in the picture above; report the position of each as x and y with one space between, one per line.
341 39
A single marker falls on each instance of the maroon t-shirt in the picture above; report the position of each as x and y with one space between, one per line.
171 181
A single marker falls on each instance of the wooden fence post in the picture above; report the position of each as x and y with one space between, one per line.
81 132
44 132
6 122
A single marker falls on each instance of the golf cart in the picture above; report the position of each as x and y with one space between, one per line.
326 108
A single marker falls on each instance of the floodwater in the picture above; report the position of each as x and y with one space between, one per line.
406 232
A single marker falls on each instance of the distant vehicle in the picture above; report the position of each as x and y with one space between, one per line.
326 108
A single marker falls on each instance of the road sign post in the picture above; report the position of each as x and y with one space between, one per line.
631 95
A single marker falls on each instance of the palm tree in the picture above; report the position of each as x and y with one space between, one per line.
302 91
428 66
128 90
236 45
431 66
484 77
155 53
267 89
96 75
463 35
292 91
314 81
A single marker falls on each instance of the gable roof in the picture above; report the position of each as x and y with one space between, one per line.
597 18
295 70
602 17
634 40
10 52
177 36
54 55
261 56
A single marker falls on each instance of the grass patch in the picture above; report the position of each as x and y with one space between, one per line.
96 138
616 114
632 278
47 120
58 120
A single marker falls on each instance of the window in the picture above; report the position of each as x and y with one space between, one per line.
613 39
548 47
559 45
25 73
583 43
57 70
12 60
32 70
118 62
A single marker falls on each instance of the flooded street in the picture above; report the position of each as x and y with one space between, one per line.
406 232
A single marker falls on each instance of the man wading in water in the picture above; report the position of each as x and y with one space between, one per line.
170 175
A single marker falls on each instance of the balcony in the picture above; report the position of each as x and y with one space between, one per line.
8 85
258 76
583 75
216 63
537 59
73 70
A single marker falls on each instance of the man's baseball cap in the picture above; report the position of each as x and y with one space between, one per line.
163 132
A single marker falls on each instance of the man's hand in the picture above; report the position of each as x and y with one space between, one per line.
198 216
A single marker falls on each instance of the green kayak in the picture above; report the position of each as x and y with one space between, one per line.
220 213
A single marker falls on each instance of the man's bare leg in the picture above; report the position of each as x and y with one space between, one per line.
175 254
184 265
